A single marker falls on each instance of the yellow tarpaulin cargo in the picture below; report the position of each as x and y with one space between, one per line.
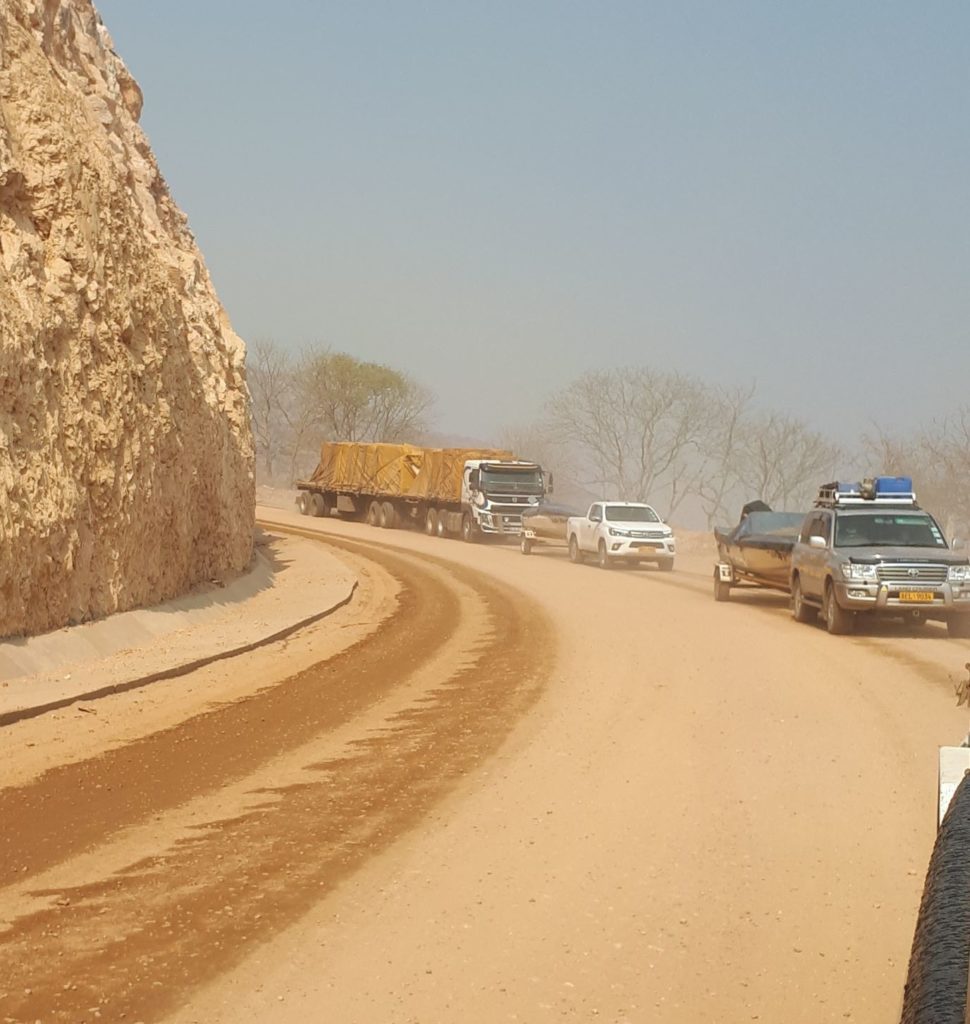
387 469
397 470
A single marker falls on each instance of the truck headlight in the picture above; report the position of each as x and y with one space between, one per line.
852 571
959 574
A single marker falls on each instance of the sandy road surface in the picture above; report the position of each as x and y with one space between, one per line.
536 792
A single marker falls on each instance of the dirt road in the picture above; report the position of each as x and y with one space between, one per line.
493 788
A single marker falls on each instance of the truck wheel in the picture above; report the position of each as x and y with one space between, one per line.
469 533
388 518
838 621
575 555
431 522
441 526
374 514
800 610
602 556
525 546
303 503
958 626
936 982
722 590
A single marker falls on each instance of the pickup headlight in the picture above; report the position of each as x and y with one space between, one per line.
856 573
619 533
959 574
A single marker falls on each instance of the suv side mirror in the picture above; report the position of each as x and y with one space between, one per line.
549 483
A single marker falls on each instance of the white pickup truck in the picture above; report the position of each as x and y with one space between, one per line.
620 531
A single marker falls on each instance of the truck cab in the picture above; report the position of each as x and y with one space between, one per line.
869 549
498 492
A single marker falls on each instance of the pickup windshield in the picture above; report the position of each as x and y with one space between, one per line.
888 529
631 514
507 481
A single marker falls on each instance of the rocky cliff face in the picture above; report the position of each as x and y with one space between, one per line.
126 468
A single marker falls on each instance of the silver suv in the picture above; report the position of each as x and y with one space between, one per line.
868 548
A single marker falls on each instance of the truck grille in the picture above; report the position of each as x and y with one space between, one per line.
932 574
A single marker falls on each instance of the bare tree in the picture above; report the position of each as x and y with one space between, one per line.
938 459
721 452
638 431
269 372
338 397
782 461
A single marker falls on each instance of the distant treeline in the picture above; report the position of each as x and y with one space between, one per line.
632 433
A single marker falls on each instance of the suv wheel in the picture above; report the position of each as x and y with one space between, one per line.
838 621
801 612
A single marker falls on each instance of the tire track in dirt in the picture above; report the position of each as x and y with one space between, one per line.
131 944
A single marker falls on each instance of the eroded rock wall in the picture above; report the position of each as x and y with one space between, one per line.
126 466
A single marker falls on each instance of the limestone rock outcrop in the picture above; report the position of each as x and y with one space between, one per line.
126 460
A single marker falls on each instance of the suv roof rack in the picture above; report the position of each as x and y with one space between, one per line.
877 490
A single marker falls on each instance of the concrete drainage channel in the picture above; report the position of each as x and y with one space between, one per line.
43 674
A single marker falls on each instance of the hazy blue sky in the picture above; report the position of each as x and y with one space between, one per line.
498 196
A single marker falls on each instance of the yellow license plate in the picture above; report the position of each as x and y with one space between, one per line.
915 595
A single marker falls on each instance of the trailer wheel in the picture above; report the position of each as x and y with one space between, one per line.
388 516
469 534
936 982
374 513
320 509
431 522
525 545
441 527
722 589
303 503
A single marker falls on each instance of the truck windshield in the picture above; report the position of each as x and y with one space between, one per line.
631 514
510 481
888 529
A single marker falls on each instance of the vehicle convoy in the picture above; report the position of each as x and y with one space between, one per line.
544 525
757 551
869 549
620 531
473 492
